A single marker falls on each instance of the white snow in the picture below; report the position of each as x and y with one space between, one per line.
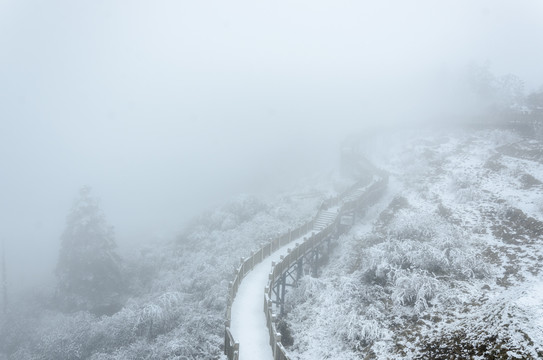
532 301
248 323
456 189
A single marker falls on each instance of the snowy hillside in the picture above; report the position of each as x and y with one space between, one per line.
175 303
448 263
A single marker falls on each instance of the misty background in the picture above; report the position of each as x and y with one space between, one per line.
168 108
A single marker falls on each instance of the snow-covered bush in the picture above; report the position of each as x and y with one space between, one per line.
111 332
65 337
415 289
236 212
358 332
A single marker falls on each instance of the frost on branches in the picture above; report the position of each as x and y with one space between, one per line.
88 270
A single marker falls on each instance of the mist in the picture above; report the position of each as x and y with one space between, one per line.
169 108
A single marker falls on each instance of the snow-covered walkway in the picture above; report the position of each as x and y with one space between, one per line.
248 324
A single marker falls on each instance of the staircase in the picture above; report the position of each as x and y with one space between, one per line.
325 218
354 194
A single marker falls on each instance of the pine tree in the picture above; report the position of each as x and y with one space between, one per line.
88 270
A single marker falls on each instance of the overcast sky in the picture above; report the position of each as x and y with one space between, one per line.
166 108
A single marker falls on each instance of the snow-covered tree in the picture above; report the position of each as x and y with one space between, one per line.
88 269
498 93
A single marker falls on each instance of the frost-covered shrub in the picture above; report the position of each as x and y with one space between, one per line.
467 263
151 320
501 328
65 337
377 274
466 195
237 212
358 332
114 331
414 289
309 288
464 186
16 328
413 225
341 309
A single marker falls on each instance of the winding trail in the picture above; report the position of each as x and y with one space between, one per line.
250 327
248 323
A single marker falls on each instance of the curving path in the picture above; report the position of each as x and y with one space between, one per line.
248 321
250 332
248 324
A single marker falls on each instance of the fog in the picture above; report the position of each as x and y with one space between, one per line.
168 108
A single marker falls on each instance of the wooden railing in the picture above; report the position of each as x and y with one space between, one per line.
301 250
231 347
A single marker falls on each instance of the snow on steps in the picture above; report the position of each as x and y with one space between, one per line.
355 194
325 218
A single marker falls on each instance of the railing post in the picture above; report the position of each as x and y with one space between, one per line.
277 351
315 262
299 268
272 338
283 292
266 290
226 341
278 292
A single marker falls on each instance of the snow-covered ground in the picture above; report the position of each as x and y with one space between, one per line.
248 323
448 265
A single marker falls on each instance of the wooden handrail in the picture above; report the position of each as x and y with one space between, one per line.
300 250
231 347
244 268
